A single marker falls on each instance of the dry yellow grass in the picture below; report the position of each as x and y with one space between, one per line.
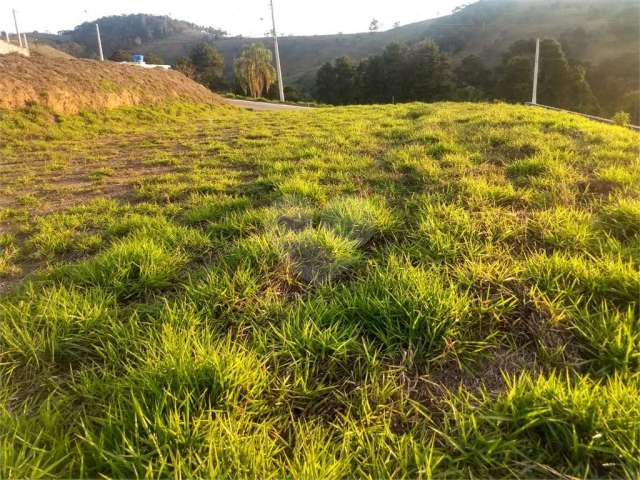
73 85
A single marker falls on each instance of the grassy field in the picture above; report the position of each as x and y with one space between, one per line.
446 290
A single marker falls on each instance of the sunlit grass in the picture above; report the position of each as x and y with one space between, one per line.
408 291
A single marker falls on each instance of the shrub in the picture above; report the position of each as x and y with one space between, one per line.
622 119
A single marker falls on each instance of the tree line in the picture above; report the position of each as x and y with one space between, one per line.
423 72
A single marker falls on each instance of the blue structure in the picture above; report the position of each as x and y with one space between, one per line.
138 59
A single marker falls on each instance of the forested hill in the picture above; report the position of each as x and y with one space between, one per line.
590 30
129 32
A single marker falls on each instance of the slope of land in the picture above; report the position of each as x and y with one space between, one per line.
71 85
48 51
590 30
446 290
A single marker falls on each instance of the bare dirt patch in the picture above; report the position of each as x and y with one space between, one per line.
72 85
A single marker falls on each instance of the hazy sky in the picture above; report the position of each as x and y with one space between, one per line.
246 17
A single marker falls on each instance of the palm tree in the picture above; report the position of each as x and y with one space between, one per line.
254 70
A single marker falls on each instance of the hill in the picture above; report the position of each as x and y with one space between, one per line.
72 85
126 32
404 291
591 30
45 50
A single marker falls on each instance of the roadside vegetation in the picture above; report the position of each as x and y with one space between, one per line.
415 291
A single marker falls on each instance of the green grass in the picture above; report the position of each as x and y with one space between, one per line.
417 291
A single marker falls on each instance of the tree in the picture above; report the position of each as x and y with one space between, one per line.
471 72
374 26
121 55
208 65
337 83
371 82
153 59
345 81
254 70
395 70
386 77
613 79
515 79
555 77
185 66
560 84
325 83
294 94
399 74
430 72
580 91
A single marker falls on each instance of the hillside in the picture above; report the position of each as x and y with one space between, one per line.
123 32
591 31
45 50
71 85
444 290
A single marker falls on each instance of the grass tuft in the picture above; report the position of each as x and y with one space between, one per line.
406 307
359 219
622 219
130 268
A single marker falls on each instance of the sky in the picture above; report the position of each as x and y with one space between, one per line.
245 17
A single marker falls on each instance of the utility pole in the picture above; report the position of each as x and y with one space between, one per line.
275 42
536 70
99 43
15 21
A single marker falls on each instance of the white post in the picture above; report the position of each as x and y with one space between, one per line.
278 66
6 36
15 21
536 70
26 43
99 43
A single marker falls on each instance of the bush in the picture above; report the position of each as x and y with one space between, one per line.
622 118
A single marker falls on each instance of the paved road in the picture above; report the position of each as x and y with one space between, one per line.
262 105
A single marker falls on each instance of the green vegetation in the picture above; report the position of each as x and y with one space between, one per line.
599 40
416 291
125 33
423 73
254 70
204 65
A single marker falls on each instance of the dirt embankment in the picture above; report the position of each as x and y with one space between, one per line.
73 85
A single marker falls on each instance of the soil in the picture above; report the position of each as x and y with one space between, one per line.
66 85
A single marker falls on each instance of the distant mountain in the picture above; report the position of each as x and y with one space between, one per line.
591 31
